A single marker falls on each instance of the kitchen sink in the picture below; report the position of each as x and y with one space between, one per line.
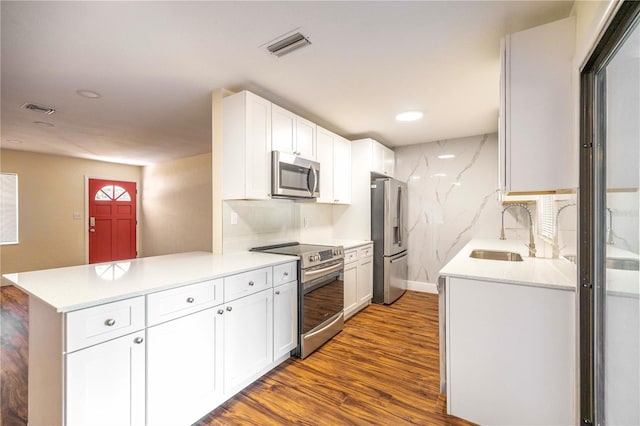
625 264
621 263
509 256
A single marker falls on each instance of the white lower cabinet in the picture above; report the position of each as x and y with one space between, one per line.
248 339
184 365
105 383
510 346
358 279
285 319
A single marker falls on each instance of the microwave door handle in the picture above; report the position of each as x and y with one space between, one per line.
312 187
315 181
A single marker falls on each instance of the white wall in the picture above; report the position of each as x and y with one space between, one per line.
177 206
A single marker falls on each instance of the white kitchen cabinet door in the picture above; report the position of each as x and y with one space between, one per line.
377 157
285 319
325 148
510 346
105 383
246 147
365 280
184 368
341 170
536 151
350 288
388 161
305 138
248 339
283 130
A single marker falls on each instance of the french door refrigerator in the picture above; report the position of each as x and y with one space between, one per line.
389 234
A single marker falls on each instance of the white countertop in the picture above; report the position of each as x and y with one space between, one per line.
346 244
76 287
557 274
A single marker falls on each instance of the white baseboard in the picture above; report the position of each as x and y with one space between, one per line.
422 287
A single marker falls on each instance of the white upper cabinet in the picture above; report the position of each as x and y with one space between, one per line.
334 155
292 133
535 128
246 147
380 159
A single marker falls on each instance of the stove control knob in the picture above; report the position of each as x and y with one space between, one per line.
312 258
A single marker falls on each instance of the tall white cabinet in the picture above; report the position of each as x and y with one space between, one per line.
535 128
334 155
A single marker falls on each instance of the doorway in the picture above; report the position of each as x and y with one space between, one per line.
609 218
112 220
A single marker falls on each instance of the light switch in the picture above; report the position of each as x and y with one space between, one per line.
234 218
77 215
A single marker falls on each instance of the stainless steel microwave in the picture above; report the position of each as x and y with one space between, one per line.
294 177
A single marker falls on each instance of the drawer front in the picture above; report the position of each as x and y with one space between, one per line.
284 273
240 285
98 324
366 251
177 302
350 256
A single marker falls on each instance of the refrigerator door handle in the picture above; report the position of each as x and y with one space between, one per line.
399 213
397 258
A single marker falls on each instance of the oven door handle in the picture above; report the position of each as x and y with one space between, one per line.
311 275
338 316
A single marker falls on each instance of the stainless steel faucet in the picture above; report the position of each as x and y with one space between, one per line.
532 244
610 228
555 247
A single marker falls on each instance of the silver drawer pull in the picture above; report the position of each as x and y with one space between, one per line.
286 274
277 291
251 283
220 312
110 322
138 340
190 300
229 308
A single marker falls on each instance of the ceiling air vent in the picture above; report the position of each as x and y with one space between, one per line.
288 44
39 108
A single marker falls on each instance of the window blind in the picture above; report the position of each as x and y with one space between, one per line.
8 208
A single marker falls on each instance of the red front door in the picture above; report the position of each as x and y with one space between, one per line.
112 220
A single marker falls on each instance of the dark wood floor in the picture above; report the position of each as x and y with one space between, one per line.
381 370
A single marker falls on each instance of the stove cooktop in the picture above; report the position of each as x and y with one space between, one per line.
310 254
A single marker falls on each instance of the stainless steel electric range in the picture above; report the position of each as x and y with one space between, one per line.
320 292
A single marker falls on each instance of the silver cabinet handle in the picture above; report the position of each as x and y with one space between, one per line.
277 291
286 274
229 308
220 312
190 300
138 340
251 283
110 322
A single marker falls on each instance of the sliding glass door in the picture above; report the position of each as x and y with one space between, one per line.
609 234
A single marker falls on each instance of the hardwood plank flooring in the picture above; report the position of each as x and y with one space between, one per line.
382 369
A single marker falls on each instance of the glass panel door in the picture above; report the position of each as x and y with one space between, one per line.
609 231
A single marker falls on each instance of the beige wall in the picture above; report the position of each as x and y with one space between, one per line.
176 214
51 189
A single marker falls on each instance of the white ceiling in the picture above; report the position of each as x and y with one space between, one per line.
156 63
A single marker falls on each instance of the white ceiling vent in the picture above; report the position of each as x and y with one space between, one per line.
39 108
288 44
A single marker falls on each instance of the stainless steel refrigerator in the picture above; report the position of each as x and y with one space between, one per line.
389 234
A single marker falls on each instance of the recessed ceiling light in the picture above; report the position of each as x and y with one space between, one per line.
88 94
43 124
446 156
14 141
409 116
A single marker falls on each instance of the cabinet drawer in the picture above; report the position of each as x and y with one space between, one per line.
350 256
284 273
91 326
240 285
170 304
366 251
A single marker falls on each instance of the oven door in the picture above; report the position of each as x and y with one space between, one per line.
294 177
321 306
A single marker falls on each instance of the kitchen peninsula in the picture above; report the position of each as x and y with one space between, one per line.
105 339
509 336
